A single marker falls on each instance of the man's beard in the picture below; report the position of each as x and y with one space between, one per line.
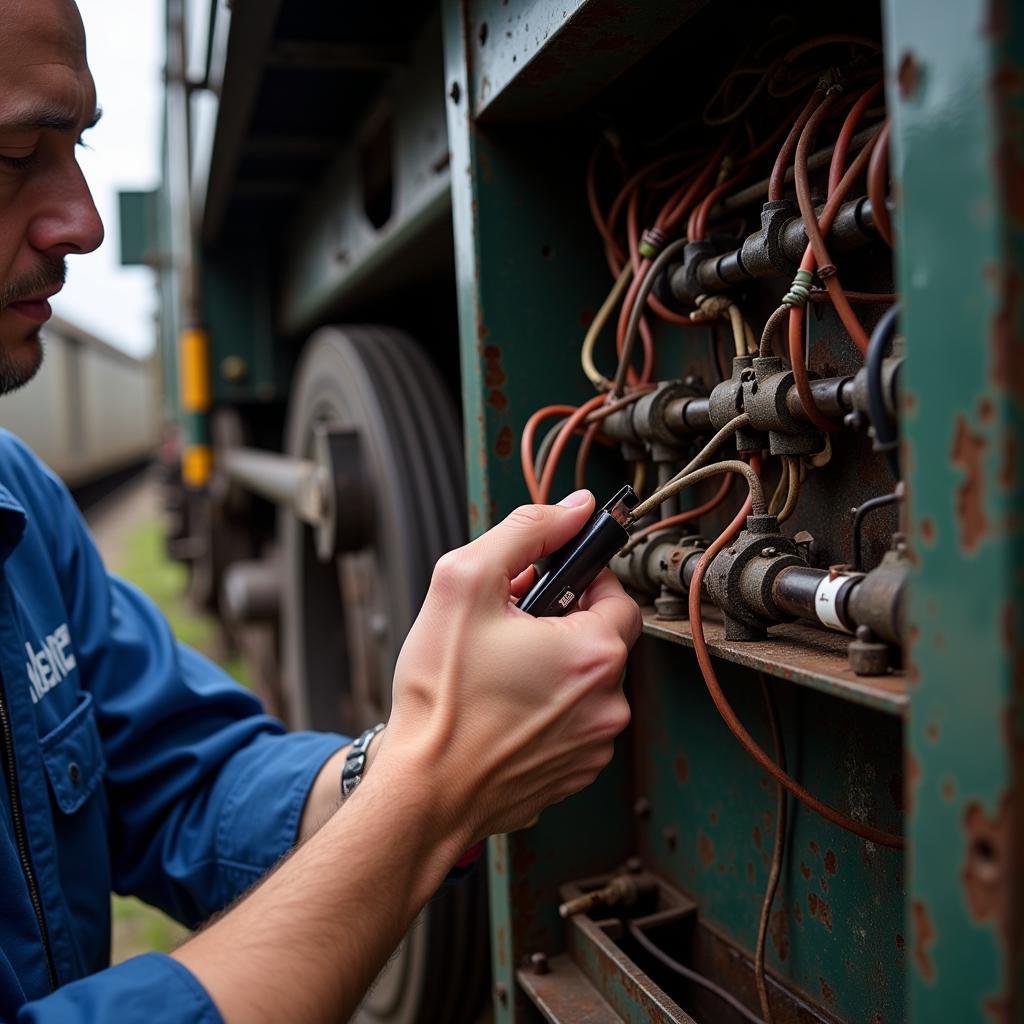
20 360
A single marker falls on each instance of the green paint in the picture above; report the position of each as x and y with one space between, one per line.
961 257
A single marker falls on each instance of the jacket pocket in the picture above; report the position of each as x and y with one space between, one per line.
73 755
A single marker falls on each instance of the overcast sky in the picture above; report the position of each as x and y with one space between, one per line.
125 43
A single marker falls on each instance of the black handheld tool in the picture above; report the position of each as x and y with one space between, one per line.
567 572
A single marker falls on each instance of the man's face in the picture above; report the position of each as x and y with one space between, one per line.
47 99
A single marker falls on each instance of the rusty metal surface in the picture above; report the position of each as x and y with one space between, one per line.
538 58
801 654
704 820
565 994
957 91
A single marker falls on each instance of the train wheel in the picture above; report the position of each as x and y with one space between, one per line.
343 622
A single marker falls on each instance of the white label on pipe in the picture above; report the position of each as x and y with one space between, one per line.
825 598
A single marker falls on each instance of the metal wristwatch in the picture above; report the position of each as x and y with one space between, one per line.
355 761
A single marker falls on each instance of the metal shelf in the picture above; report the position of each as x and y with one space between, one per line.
810 657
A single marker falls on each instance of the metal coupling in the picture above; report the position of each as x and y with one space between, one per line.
726 403
740 580
765 400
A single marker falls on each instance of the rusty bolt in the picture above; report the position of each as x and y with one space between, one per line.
671 837
642 807
501 992
539 963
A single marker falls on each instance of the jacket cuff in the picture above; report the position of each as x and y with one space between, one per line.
149 989
260 819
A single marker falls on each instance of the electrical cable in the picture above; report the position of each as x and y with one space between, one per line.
869 298
770 327
878 172
778 852
777 180
796 314
690 974
526 444
886 434
700 647
576 417
713 444
681 517
793 489
826 268
651 272
598 379
781 488
859 514
682 481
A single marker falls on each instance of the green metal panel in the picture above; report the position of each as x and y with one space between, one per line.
137 219
529 275
535 58
957 92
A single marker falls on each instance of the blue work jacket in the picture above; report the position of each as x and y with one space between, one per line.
140 767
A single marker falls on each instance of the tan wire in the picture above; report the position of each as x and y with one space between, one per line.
796 473
594 375
680 483
781 488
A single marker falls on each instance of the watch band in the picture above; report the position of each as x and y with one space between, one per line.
355 761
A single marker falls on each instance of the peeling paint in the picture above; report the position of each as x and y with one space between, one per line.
924 939
969 455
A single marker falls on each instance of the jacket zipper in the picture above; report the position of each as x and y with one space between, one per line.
21 839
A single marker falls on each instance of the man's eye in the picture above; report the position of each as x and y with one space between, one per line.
17 163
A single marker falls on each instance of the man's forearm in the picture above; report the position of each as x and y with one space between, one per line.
307 943
325 793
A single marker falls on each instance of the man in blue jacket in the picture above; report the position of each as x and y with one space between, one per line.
129 762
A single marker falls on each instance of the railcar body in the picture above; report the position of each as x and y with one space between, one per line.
471 179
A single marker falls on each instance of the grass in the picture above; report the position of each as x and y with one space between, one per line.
138 928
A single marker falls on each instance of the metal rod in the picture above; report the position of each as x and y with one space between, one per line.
281 479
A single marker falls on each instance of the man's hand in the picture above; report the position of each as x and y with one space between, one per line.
512 712
496 715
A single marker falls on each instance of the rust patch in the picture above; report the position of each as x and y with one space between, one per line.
818 908
824 885
1008 352
474 515
503 443
948 790
813 847
798 913
805 871
969 455
830 861
826 991
908 75
494 371
987 847
682 769
713 817
928 531
778 930
497 400
931 732
924 939
502 946
913 780
757 836
705 850
1008 466
986 410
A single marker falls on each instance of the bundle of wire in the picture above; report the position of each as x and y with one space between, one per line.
686 190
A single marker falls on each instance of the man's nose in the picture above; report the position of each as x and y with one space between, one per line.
69 222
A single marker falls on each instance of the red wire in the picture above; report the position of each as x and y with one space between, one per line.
700 647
